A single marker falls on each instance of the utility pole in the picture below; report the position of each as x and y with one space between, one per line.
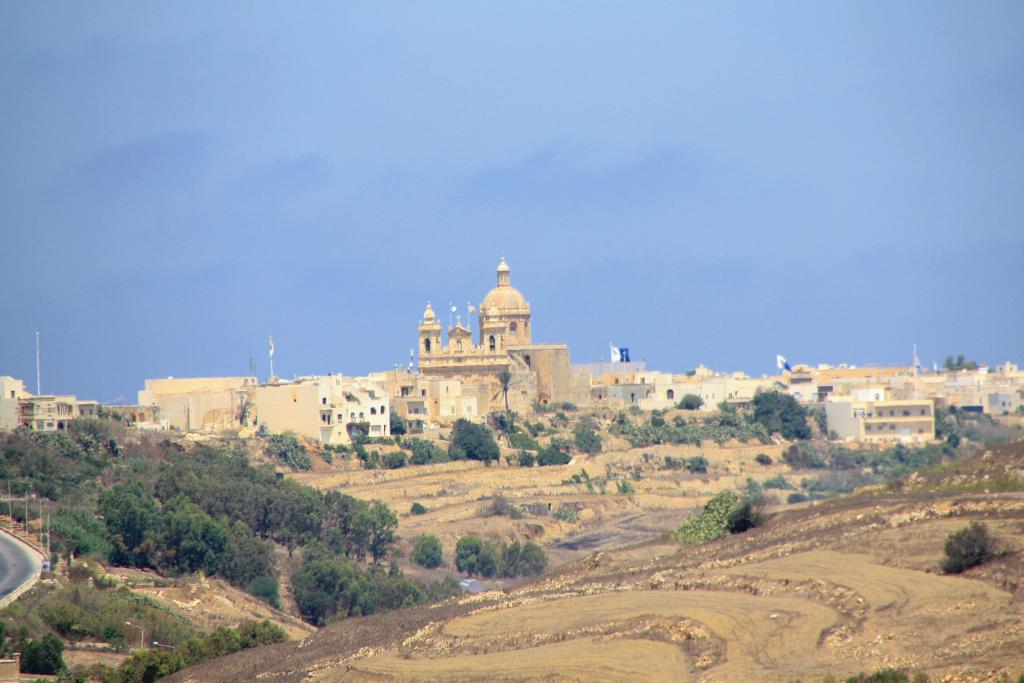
39 387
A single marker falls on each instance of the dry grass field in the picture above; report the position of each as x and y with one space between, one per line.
832 588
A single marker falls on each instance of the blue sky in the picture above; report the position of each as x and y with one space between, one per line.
705 183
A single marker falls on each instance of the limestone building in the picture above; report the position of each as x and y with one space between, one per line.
540 373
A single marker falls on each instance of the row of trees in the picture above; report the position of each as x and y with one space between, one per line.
478 556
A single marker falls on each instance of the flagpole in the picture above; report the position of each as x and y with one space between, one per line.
39 390
271 359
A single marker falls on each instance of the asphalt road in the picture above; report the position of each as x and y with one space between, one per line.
17 565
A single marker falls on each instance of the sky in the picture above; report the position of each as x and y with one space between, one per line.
707 183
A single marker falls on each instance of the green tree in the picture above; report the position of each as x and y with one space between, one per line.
427 552
763 459
781 413
382 530
587 439
967 548
527 559
44 656
132 520
472 441
398 425
691 402
475 555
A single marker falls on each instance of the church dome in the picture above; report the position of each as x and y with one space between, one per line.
504 296
428 315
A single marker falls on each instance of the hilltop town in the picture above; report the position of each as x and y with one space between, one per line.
457 377
521 513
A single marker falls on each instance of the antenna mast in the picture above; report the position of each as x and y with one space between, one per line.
39 389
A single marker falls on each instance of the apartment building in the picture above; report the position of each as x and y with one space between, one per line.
905 421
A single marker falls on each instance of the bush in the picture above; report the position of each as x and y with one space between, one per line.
691 402
763 459
528 559
526 459
500 506
472 441
475 555
553 456
566 514
777 482
523 441
257 633
587 439
424 452
887 676
287 449
778 412
427 552
44 656
394 460
967 548
625 488
398 425
803 457
417 509
710 523
698 464
265 588
797 498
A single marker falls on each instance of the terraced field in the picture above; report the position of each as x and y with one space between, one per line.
835 588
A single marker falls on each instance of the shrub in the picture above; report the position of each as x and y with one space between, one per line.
257 633
394 460
427 552
587 439
526 459
266 589
625 488
710 523
398 425
527 559
500 506
802 457
417 509
967 548
777 482
472 441
287 449
796 498
778 412
763 459
887 676
691 402
44 656
566 514
553 456
475 555
698 464
742 517
523 441
424 452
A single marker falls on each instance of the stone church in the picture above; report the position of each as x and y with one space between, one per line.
540 372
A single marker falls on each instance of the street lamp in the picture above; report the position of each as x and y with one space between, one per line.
142 634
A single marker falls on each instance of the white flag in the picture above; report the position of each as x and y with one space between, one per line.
471 308
454 308
781 363
271 347
616 354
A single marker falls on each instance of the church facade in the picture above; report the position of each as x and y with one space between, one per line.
540 373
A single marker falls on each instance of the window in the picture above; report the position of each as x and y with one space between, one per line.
373 411
670 395
323 400
527 359
513 328
906 412
361 416
426 345
492 344
458 345
382 409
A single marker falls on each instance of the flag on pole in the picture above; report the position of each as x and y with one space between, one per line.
454 308
917 361
271 347
619 354
782 364
471 309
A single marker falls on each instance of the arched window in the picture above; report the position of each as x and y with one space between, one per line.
373 411
513 327
458 345
492 343
382 410
426 345
670 395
